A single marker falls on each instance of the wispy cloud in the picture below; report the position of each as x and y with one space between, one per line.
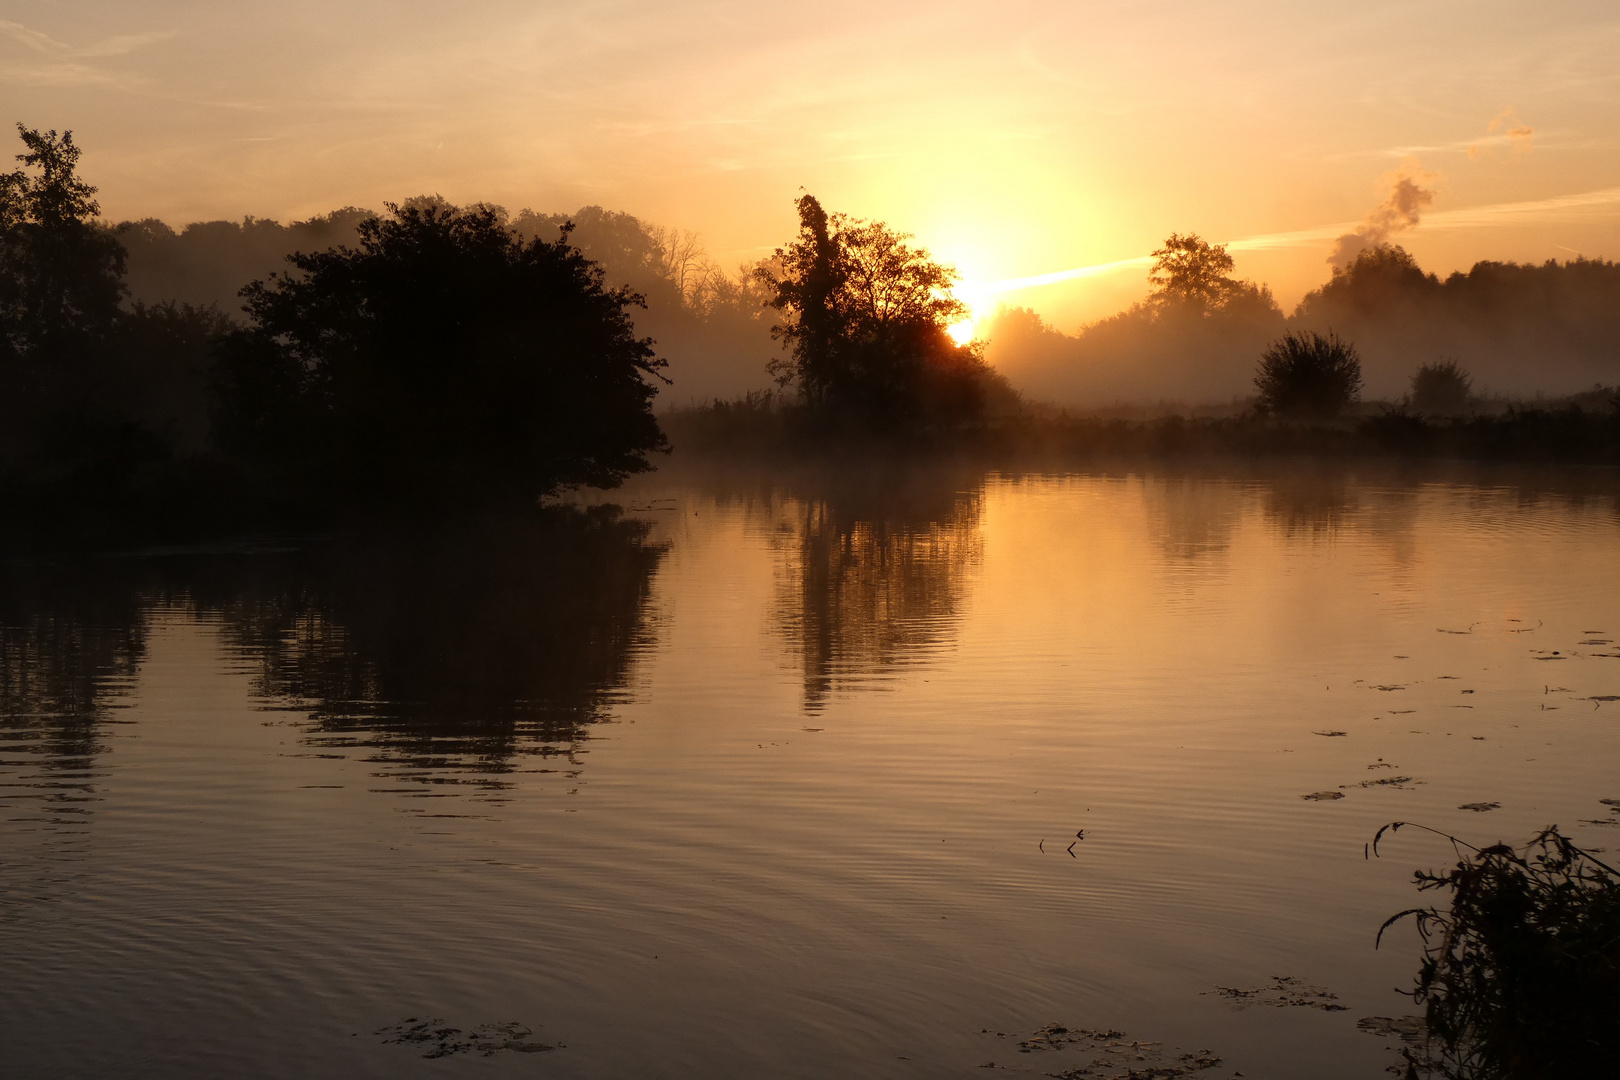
1505 132
46 61
1505 129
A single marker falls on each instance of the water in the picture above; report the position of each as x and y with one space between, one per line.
782 777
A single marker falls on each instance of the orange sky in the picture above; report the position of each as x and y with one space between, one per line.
1016 139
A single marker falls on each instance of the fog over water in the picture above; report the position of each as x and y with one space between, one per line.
783 775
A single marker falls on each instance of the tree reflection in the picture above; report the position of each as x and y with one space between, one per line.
1195 517
1310 502
876 576
450 655
71 637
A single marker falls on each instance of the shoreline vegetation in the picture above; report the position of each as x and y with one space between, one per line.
438 361
1578 430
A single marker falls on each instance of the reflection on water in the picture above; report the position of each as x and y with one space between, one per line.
1133 731
71 640
450 655
1195 518
1309 502
874 579
444 657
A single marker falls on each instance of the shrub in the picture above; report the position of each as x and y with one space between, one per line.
1521 978
1440 388
1308 376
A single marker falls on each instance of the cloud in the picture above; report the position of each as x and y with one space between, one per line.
1505 129
1402 209
32 39
49 62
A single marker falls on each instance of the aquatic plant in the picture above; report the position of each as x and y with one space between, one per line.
1520 979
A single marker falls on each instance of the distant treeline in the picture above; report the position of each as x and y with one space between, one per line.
1518 330
437 360
711 324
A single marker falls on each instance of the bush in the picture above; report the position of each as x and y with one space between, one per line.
1441 388
442 361
1521 978
1308 376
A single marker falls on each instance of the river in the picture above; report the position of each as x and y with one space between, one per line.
793 775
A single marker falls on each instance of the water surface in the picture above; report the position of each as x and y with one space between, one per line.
784 776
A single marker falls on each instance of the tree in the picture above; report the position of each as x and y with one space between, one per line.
1190 272
61 279
866 328
444 360
1308 376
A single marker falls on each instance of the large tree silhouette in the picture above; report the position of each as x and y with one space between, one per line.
866 328
444 360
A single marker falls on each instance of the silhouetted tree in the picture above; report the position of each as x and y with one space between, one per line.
867 326
1308 376
1192 341
1440 388
443 360
60 284
1192 271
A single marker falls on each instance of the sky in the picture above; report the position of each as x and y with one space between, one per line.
1016 140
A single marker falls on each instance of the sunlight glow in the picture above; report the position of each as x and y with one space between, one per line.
961 332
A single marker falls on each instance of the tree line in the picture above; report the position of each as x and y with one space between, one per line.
438 358
429 358
1511 331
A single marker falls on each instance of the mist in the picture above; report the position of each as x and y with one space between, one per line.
709 322
1519 330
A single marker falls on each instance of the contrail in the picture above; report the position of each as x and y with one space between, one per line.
1006 285
1557 208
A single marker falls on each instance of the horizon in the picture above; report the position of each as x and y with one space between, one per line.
1020 144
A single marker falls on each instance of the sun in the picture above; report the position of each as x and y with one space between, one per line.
961 332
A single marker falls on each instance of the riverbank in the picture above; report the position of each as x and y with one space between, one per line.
1557 433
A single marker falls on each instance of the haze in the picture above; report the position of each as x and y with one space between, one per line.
1015 139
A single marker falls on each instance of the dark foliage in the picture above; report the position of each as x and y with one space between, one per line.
1552 328
445 361
1440 388
867 329
1191 272
103 409
1520 978
60 284
1307 376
